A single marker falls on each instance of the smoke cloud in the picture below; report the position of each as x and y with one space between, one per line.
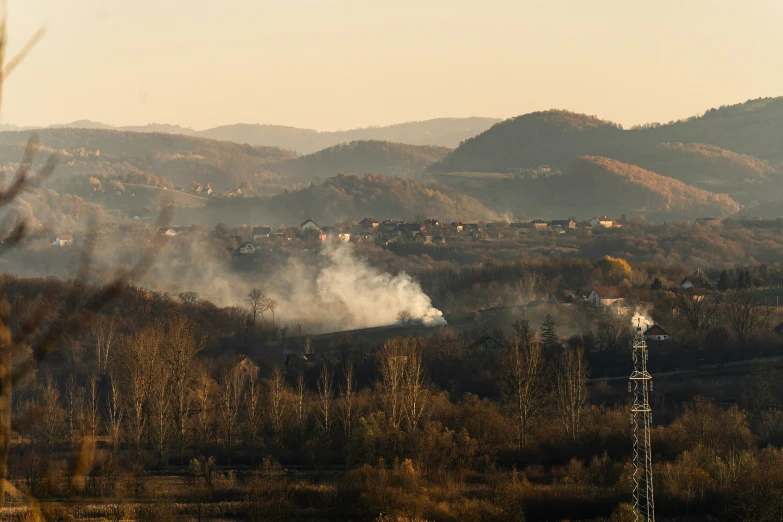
641 317
345 292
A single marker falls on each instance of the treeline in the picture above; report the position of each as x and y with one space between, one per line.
486 425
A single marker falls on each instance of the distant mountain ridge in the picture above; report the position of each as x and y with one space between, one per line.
753 128
440 132
361 157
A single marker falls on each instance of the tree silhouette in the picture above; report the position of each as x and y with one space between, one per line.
549 333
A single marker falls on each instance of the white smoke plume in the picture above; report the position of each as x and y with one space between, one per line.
641 317
345 292
332 291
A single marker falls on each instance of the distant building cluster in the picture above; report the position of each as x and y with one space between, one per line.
427 231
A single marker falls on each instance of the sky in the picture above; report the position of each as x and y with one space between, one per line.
339 64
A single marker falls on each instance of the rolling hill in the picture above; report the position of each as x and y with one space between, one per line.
723 150
361 157
182 159
342 198
351 197
598 185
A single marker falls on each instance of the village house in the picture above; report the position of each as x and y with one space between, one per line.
260 233
457 226
539 224
247 249
656 333
389 226
369 224
605 296
63 240
247 369
563 223
617 224
309 225
413 228
601 222
696 281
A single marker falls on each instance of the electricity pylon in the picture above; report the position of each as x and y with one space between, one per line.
639 386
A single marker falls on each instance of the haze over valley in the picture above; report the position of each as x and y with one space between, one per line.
391 261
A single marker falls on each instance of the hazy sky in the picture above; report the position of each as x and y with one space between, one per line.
331 64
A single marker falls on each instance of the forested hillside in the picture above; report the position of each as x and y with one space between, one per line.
555 137
345 198
734 149
352 197
361 157
598 185
181 159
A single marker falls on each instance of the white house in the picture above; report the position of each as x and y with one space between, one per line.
261 233
247 249
604 296
63 240
309 225
696 281
602 222
344 237
656 333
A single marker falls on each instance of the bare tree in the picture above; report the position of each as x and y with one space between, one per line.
414 391
404 317
523 368
745 314
346 405
253 415
114 413
570 389
271 304
392 361
49 418
277 404
697 313
102 333
71 397
139 368
180 357
239 318
325 397
612 333
93 406
229 405
301 406
160 407
256 299
72 313
204 398
189 298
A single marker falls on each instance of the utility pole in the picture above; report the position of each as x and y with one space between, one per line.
639 386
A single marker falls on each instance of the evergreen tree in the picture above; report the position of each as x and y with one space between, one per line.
549 333
656 285
723 281
743 279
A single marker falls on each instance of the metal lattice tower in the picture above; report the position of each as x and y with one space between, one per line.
639 386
